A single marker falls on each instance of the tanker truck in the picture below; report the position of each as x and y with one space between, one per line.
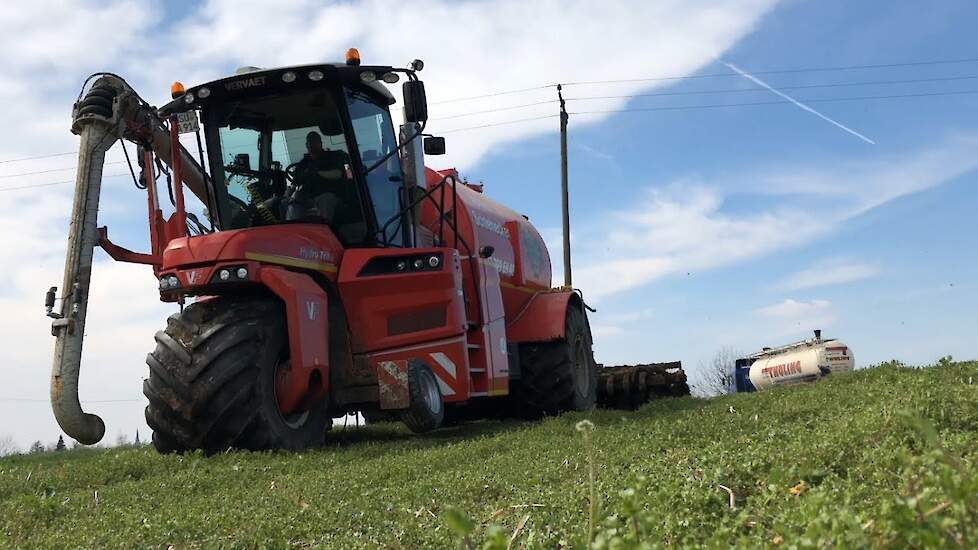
796 363
333 272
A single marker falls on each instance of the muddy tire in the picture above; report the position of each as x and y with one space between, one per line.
426 410
558 376
211 382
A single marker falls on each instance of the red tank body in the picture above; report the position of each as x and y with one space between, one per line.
519 256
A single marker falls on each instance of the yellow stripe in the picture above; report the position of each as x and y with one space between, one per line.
520 288
291 262
494 393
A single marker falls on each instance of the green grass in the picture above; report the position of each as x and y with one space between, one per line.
884 457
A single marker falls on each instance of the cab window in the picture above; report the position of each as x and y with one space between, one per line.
375 140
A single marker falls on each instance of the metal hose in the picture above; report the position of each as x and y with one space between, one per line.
98 128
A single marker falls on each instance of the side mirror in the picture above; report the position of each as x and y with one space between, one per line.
415 103
434 146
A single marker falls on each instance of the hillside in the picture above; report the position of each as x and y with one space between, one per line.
884 457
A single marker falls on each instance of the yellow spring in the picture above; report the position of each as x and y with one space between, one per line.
259 205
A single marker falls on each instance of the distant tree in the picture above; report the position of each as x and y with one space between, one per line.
122 440
7 445
60 446
36 447
716 376
76 445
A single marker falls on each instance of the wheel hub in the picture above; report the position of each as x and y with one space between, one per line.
289 396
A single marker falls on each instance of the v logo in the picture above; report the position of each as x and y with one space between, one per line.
311 310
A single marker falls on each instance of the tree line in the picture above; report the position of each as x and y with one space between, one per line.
9 447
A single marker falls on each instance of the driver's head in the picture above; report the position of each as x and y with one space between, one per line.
314 143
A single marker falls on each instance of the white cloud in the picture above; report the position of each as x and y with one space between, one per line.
469 49
683 226
792 318
830 272
791 309
603 325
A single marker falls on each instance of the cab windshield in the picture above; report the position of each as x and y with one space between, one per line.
287 159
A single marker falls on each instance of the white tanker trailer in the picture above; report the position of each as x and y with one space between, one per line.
804 361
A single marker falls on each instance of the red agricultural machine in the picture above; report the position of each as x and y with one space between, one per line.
333 272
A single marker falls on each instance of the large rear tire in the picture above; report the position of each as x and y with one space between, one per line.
561 375
211 382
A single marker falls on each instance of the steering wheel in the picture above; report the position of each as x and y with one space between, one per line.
240 212
290 171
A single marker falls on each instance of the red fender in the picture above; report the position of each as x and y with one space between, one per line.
543 318
307 316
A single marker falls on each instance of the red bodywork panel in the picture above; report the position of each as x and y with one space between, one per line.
306 315
391 310
311 247
543 318
446 359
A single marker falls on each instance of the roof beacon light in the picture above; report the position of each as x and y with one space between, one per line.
353 57
177 90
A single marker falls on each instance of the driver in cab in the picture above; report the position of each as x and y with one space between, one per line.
321 179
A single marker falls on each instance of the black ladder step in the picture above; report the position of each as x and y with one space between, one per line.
470 345
477 371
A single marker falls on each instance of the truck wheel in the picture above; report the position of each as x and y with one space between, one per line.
211 382
426 410
561 375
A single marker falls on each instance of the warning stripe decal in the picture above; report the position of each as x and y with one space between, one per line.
446 374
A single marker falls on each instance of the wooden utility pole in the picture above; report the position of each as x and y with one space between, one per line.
565 207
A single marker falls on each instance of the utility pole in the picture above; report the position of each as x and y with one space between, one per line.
565 206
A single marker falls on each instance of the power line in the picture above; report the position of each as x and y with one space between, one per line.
779 71
510 108
52 170
755 103
39 157
706 92
797 87
26 400
715 106
452 131
494 94
50 183
711 75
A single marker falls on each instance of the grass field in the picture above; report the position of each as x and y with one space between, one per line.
885 457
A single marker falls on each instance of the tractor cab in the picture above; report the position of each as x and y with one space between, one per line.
311 144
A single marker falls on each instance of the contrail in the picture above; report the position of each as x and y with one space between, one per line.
765 85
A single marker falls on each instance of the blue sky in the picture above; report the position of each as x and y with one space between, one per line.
916 300
693 229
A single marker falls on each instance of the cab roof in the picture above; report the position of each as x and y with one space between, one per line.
254 82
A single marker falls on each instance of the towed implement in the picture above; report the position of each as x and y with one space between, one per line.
326 271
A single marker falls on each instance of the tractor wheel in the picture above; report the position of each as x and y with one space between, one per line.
426 410
561 375
211 382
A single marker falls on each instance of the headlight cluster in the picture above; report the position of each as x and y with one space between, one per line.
169 282
230 274
418 263
385 265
